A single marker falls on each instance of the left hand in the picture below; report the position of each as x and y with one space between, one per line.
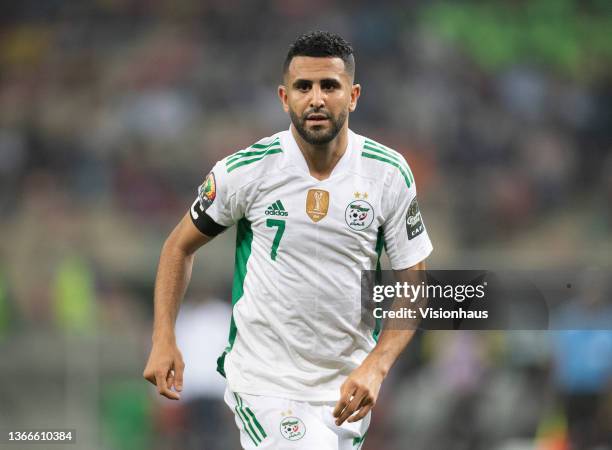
358 393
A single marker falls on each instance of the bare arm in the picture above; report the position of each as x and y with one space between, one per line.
359 392
165 365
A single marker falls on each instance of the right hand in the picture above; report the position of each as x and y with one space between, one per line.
165 369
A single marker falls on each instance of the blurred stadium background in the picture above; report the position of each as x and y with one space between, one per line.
113 111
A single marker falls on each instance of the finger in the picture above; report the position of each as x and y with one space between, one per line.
149 376
340 406
346 392
351 407
170 379
160 381
361 413
178 374
162 387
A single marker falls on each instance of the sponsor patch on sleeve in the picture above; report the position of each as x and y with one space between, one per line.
414 222
207 191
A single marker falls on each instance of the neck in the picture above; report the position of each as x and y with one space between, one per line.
321 159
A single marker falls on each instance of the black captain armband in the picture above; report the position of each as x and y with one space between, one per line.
203 222
207 193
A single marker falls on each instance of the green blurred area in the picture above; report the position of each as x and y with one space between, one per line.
126 417
568 36
74 296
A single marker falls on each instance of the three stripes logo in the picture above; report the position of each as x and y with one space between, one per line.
374 150
251 425
276 209
254 153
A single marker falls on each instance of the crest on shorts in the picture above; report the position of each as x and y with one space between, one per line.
414 221
359 215
317 204
292 428
207 191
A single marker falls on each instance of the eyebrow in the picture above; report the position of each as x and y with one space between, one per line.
301 81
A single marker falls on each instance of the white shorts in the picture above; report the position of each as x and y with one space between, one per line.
282 424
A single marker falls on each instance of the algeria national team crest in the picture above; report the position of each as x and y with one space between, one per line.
292 428
359 215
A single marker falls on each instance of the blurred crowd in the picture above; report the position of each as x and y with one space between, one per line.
113 111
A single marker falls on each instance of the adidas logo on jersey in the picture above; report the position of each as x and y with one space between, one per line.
276 209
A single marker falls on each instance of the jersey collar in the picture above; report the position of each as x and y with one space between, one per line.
295 156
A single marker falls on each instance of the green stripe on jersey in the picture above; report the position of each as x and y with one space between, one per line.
244 240
275 141
358 441
384 153
394 163
242 162
234 158
380 245
379 148
245 153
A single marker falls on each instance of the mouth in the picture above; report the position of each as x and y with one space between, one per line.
316 118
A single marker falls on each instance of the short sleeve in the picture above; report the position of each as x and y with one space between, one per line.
406 240
216 201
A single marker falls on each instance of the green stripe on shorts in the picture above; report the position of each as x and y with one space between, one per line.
257 424
248 428
247 418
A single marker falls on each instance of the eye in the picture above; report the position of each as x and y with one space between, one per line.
329 85
302 86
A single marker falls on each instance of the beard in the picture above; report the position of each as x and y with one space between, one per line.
318 135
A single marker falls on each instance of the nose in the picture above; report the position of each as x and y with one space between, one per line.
317 101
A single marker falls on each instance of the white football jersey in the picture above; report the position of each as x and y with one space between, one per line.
296 330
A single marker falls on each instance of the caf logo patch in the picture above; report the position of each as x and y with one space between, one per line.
292 428
207 191
359 215
414 222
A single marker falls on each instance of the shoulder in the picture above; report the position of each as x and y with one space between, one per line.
383 161
249 164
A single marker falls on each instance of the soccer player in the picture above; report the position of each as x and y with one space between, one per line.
313 206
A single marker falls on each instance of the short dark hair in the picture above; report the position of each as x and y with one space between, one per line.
322 44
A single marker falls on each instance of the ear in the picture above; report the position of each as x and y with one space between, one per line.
355 93
282 95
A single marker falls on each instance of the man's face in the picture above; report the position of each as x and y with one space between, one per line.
318 94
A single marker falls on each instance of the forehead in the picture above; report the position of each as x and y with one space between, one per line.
316 68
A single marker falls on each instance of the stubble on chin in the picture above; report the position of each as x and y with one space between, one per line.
320 137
